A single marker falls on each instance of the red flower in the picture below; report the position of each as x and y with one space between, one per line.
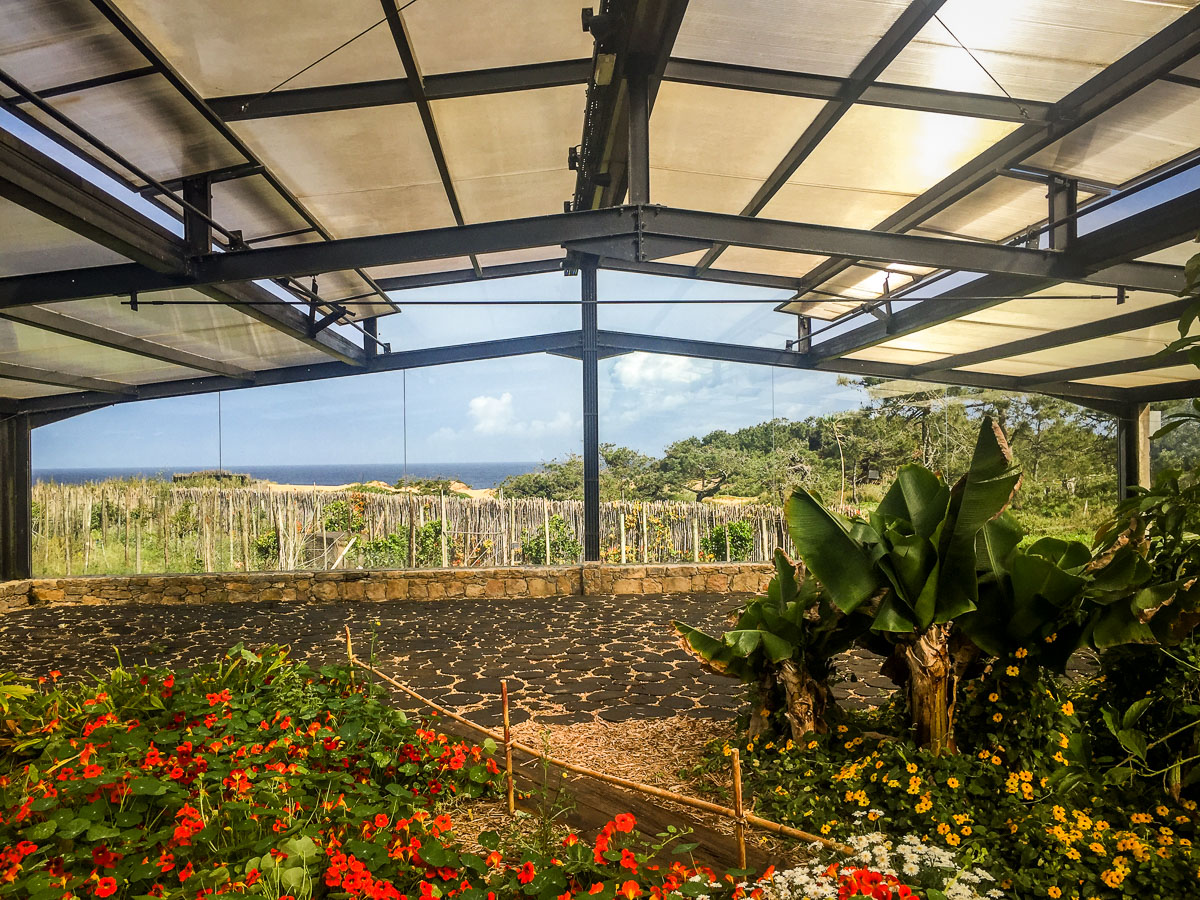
494 858
570 840
526 873
629 890
187 871
381 820
624 822
628 861
106 887
252 877
92 771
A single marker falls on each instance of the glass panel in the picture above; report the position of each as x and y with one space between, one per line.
49 43
699 155
507 153
1155 126
360 171
35 244
237 47
827 37
1037 49
998 210
487 34
24 345
148 122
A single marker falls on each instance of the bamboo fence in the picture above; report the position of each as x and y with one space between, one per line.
136 527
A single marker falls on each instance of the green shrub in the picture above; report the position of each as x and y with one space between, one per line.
564 547
741 541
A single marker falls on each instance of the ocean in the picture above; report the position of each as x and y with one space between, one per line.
474 474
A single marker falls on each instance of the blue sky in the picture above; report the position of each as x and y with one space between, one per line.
523 408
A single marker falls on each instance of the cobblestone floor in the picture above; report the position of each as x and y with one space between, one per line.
567 659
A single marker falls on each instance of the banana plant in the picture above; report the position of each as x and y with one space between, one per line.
783 643
913 565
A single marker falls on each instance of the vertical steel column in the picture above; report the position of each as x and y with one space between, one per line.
1133 449
1063 202
803 334
639 134
591 412
16 499
197 191
370 327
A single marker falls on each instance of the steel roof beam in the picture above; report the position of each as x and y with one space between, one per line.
827 87
384 362
1098 252
1154 58
416 86
41 184
385 92
1109 368
915 17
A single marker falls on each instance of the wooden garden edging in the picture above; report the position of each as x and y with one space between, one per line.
739 816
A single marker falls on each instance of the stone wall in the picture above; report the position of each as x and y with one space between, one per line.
417 584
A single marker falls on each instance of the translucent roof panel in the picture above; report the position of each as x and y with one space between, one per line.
487 34
361 171
462 263
24 345
235 47
255 208
998 210
507 153
57 42
1127 345
1173 256
896 151
221 333
1148 379
150 123
1156 125
843 206
32 244
699 155
13 389
1036 49
785 34
774 262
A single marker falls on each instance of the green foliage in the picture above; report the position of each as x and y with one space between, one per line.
391 551
564 548
266 547
741 541
343 516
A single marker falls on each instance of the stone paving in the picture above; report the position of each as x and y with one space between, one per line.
567 659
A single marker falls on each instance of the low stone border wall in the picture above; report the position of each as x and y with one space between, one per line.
371 585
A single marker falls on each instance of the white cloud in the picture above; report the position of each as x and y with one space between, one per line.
497 416
641 370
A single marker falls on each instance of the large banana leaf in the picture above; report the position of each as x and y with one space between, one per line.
823 542
918 497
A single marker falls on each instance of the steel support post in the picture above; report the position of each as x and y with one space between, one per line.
803 334
639 135
591 412
1133 448
16 487
1063 198
197 233
371 336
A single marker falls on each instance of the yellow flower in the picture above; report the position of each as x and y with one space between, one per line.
966 830
1162 810
812 745
727 750
825 829
1097 848
1072 854
1063 740
943 828
912 767
953 840
1068 709
1012 671
993 697
997 717
952 782
842 729
1054 892
1021 653
996 760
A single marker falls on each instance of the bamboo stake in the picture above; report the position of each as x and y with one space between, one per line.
739 827
682 799
695 540
508 765
546 526
645 536
621 515
412 535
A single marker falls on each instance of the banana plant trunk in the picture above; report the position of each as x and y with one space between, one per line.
932 688
760 715
807 699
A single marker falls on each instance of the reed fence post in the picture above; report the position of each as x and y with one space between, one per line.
546 528
696 539
645 536
508 765
728 552
621 516
443 529
739 827
412 534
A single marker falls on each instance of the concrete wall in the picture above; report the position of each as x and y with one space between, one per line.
415 584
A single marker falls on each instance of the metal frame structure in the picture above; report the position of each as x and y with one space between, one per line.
610 222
